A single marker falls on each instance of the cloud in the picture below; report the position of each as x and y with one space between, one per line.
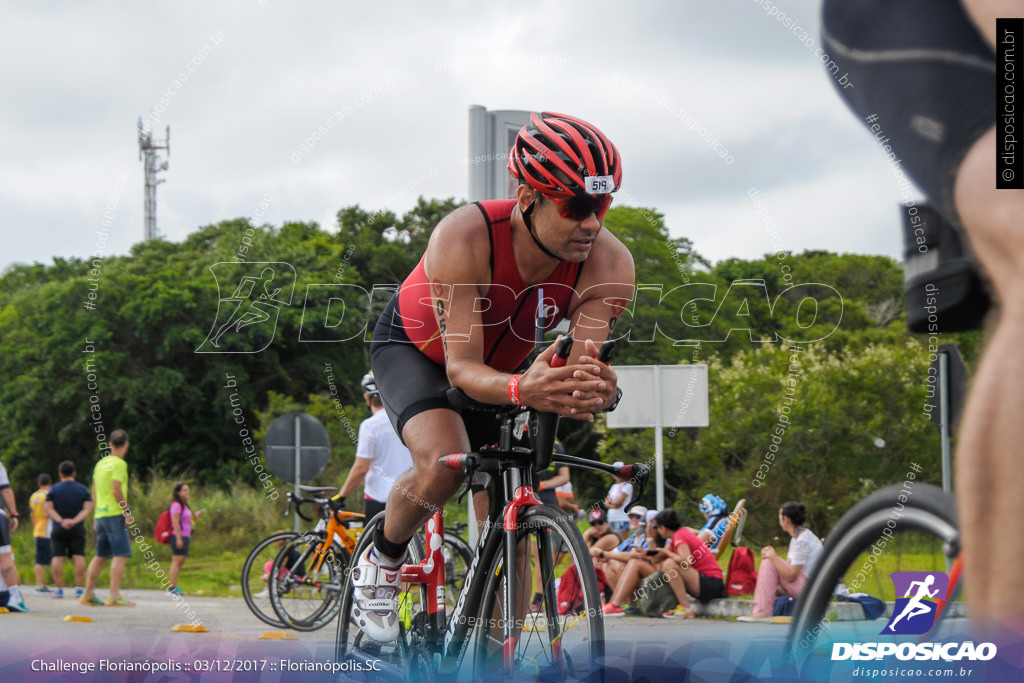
284 73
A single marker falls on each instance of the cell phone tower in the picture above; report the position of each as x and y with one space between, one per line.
153 165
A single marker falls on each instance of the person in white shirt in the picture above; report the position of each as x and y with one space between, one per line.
619 495
8 525
380 456
789 575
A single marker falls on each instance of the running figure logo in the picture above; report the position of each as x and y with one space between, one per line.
915 611
247 319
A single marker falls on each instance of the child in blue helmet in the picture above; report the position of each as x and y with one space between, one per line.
714 510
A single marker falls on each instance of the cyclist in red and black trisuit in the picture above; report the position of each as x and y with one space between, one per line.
465 318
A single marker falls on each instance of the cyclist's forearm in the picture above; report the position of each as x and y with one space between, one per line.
480 382
356 476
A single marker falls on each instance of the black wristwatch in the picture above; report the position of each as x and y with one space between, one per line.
615 403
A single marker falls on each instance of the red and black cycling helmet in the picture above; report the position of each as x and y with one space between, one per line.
557 142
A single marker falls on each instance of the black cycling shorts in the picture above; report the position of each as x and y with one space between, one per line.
927 73
5 530
68 542
410 383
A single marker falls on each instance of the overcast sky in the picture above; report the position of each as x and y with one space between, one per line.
262 75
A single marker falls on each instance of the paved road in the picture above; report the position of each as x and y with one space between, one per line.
33 644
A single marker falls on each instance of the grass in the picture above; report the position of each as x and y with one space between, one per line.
238 518
234 520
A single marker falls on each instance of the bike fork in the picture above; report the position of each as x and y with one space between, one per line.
522 499
431 573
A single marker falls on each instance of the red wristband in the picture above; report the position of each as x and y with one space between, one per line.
513 390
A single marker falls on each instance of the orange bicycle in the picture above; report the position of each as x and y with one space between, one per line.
309 571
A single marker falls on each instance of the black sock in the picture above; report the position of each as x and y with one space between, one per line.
388 549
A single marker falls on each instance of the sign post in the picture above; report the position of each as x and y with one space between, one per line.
679 399
297 448
952 380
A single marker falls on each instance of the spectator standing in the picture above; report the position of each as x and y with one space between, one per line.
41 527
110 486
68 505
789 575
181 539
8 525
380 456
567 500
619 495
547 481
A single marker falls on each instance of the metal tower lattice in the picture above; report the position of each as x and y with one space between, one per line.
153 165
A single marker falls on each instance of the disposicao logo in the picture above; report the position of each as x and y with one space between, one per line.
918 597
915 612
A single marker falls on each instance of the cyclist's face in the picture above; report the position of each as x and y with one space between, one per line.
569 239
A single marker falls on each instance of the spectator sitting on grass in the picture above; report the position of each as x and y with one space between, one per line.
690 567
714 509
640 564
781 576
613 562
600 534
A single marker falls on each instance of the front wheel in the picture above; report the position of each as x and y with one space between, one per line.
255 573
308 577
398 659
564 638
876 537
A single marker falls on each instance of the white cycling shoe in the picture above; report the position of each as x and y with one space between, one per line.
375 588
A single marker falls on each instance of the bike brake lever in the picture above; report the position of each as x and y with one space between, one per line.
638 473
469 485
562 352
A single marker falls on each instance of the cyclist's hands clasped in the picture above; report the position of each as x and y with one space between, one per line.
576 390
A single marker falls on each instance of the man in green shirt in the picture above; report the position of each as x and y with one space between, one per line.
110 485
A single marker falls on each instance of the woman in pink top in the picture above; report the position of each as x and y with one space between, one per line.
181 523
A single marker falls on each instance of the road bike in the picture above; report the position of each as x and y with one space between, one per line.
491 626
256 568
296 602
309 570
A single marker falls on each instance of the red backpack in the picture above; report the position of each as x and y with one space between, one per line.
164 529
570 593
741 577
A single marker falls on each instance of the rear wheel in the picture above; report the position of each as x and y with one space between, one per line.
255 589
545 643
458 557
